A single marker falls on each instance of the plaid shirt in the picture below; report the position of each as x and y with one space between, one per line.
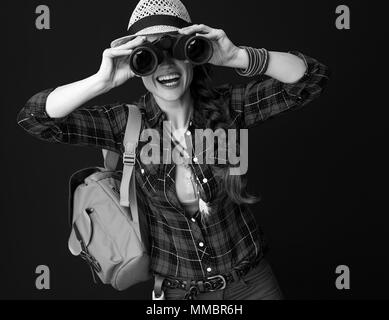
182 246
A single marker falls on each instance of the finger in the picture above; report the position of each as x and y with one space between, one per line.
211 35
215 34
195 28
115 52
132 43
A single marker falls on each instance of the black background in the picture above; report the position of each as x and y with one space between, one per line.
320 170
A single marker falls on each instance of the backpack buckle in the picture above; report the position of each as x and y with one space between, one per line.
129 159
129 154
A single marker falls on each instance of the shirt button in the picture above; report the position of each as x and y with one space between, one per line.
195 159
188 133
209 269
205 180
142 170
193 219
201 244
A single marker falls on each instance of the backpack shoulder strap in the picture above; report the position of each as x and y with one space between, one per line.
111 158
130 142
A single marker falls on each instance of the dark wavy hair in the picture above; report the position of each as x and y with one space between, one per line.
213 113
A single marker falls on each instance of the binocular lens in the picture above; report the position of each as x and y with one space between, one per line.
198 50
143 62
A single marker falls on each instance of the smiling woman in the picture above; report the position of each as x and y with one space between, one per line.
205 243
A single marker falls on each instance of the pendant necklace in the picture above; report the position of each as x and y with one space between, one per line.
203 206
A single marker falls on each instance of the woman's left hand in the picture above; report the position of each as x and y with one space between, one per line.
224 51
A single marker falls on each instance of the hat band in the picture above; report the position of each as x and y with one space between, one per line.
159 19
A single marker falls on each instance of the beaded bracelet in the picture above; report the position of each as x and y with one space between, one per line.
258 62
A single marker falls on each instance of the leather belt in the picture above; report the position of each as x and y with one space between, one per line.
212 283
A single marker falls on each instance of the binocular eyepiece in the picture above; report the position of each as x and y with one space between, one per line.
145 58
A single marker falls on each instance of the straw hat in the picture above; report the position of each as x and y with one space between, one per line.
151 17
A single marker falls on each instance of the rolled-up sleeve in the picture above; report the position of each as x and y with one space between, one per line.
264 97
98 126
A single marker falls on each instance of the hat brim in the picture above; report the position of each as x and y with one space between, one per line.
154 30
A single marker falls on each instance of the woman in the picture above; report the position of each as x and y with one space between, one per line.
204 242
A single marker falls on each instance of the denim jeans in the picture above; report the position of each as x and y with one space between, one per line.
257 284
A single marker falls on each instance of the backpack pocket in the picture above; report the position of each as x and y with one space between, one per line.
95 246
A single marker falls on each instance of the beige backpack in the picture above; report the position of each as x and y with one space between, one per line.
105 226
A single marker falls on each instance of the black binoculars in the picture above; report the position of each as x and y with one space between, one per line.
145 58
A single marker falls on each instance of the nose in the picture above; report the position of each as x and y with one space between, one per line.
167 55
168 59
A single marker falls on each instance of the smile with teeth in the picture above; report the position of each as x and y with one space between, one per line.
169 80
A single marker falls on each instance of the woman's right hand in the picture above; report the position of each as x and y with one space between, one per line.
115 68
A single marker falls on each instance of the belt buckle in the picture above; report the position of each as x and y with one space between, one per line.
218 276
171 283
